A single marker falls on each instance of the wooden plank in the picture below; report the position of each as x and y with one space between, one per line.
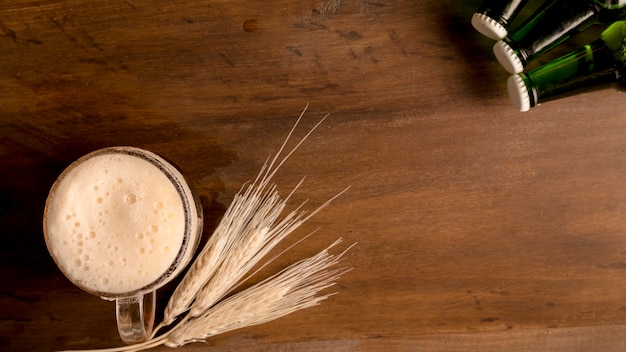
478 227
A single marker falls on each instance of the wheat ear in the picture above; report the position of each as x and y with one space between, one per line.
294 288
221 242
240 226
260 240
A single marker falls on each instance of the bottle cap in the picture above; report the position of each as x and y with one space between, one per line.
518 92
507 57
488 27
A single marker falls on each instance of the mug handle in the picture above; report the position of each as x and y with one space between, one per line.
135 317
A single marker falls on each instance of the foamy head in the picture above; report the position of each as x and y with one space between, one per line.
115 222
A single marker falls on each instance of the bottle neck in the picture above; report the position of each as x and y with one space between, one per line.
610 4
591 67
549 26
502 12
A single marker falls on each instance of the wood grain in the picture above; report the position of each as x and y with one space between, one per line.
478 228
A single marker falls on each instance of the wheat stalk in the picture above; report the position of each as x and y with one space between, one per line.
288 291
250 228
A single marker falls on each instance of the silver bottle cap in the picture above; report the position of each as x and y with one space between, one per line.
507 57
488 27
518 92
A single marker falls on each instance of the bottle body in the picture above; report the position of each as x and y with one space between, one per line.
594 66
493 18
553 23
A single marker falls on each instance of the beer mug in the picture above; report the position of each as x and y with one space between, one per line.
120 223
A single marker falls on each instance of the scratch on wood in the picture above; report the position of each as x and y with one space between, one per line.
327 8
323 9
11 34
130 4
294 50
227 59
22 298
8 32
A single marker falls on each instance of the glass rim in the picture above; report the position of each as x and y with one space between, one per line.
188 197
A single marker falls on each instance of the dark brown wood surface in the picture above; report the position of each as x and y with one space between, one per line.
479 228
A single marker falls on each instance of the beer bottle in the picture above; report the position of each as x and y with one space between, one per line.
493 18
553 23
597 65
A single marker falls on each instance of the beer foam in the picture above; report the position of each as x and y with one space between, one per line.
115 223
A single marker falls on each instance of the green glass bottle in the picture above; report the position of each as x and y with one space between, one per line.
493 18
598 65
552 24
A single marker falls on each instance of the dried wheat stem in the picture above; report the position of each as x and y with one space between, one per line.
154 342
290 290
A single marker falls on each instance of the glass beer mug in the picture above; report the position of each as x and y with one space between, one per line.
120 223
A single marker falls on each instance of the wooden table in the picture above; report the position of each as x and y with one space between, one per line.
479 228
